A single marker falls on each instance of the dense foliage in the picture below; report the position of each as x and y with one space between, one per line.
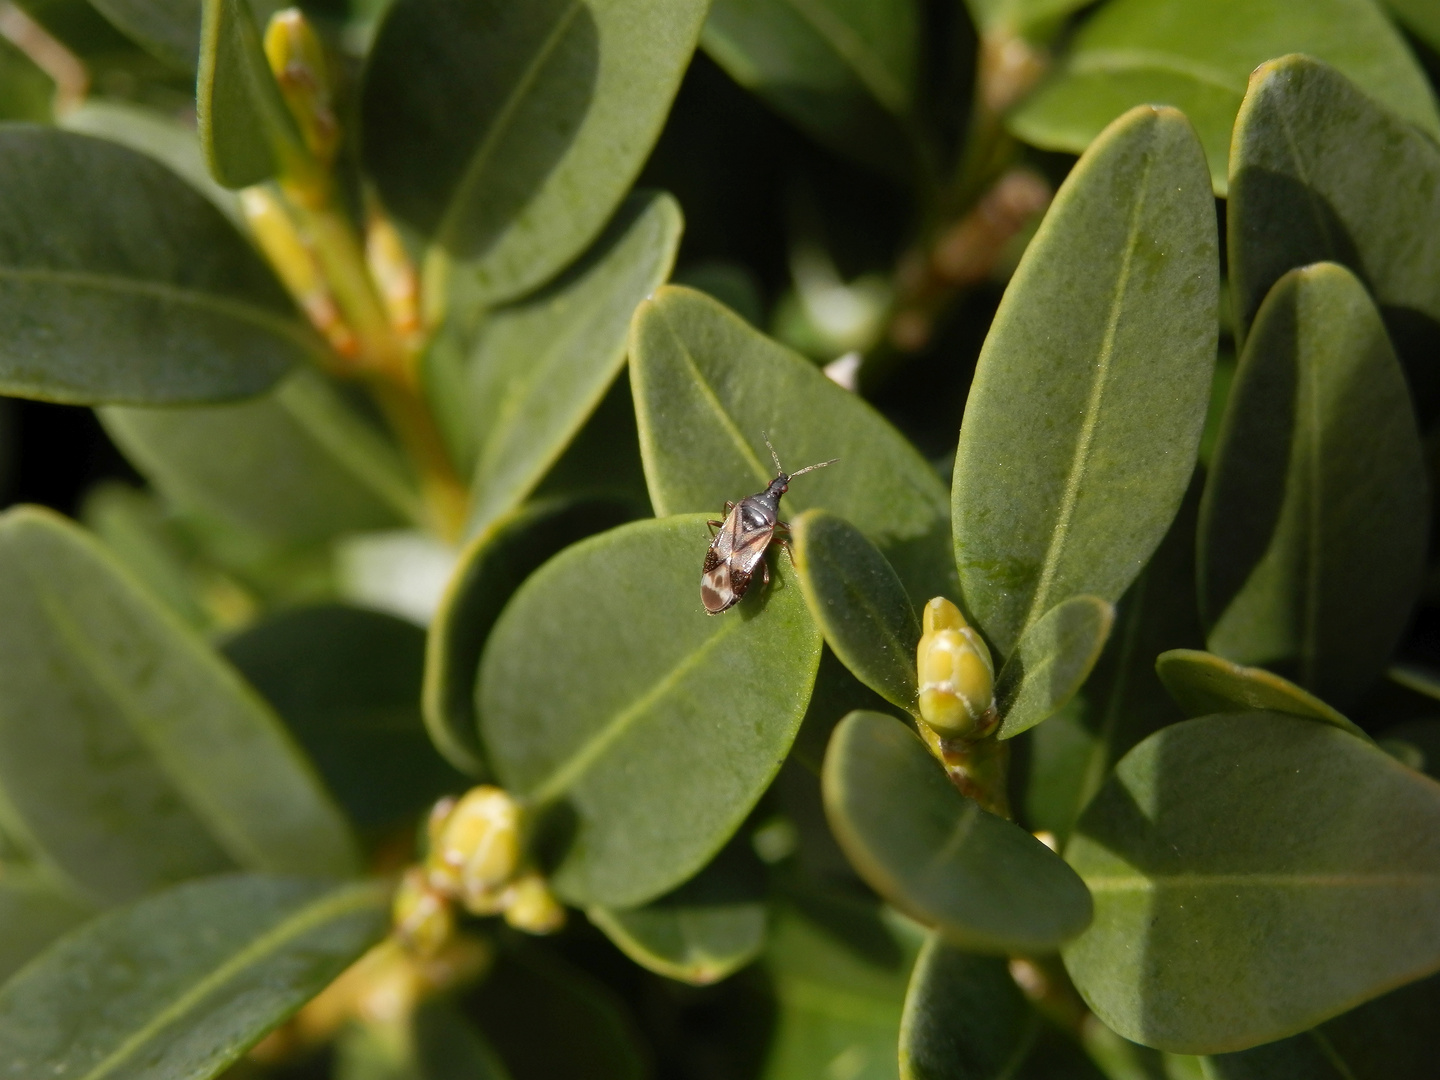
382 734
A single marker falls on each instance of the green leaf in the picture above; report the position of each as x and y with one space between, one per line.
839 965
169 30
245 125
709 927
297 466
181 984
130 755
1202 684
34 911
509 133
843 71
1004 18
608 698
26 92
1420 17
346 681
1123 701
1253 875
485 577
1422 735
965 1019
1197 55
1323 173
1051 662
1313 523
1086 410
1390 1038
436 1041
541 368
146 295
982 881
859 603
709 388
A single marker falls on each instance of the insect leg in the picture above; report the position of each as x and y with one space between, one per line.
764 570
714 525
785 543
729 505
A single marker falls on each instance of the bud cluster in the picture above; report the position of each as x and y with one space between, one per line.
956 675
475 860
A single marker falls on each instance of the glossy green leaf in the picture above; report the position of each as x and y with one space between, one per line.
34 911
167 29
1313 523
296 466
541 368
245 125
859 603
709 388
1067 758
1390 1038
130 755
608 698
982 881
965 1019
844 71
147 295
549 1020
434 1042
1197 54
182 983
1323 173
701 932
1086 410
1420 17
839 965
1202 683
486 575
509 133
1253 875
1051 662
346 681
26 92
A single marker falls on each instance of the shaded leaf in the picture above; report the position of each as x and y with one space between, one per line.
709 388
34 911
610 700
1253 875
1197 54
1051 662
297 466
508 133
346 681
486 575
701 932
541 368
26 92
845 72
169 30
146 296
182 983
1086 410
1421 735
859 603
1313 522
130 755
1001 17
1420 18
983 882
1202 684
434 1042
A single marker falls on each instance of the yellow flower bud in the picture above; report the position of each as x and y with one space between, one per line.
532 907
478 850
298 61
424 920
956 674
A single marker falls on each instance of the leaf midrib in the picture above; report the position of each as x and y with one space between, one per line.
348 899
1115 61
849 45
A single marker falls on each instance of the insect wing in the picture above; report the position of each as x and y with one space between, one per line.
731 560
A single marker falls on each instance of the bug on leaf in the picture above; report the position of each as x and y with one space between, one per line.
743 536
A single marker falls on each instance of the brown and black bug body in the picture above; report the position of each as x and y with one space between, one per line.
740 545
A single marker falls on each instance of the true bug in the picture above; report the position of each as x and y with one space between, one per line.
746 532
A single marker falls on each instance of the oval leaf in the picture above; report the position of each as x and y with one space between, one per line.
147 295
1313 523
709 388
1085 415
182 983
1202 683
983 882
1253 875
485 577
169 30
609 698
859 603
1051 663
540 368
508 133
130 754
34 911
1197 57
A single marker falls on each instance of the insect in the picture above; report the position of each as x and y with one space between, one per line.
746 532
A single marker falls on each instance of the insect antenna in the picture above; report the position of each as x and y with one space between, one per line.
817 465
779 469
